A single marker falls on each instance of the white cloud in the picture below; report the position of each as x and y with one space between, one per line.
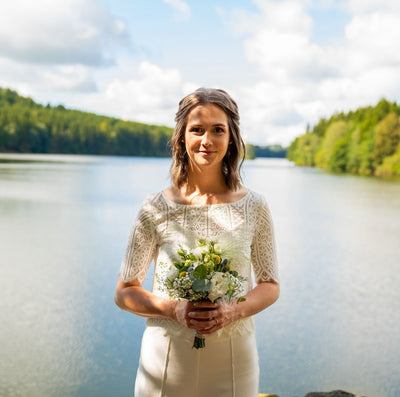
282 47
33 79
152 97
182 8
59 32
302 81
361 6
371 41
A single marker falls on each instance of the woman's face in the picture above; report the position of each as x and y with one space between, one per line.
207 136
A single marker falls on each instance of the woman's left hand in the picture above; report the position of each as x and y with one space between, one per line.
209 317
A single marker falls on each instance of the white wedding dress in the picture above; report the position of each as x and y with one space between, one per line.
228 365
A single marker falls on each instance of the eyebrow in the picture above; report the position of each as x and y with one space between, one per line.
194 124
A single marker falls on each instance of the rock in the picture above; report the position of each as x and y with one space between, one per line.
335 393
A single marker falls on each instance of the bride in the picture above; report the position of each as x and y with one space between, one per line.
205 201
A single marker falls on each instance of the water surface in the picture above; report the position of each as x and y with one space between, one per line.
64 224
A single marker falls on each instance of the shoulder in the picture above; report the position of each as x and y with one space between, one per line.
153 204
256 199
173 194
237 195
258 206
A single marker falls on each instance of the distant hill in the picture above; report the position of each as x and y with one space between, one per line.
28 127
365 142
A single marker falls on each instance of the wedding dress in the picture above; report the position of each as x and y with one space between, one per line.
228 365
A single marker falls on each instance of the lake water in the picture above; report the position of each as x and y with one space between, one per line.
64 225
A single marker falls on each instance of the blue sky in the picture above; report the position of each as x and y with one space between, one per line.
286 62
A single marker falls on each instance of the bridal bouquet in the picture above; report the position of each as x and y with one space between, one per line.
202 274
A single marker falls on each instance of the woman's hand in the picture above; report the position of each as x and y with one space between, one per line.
205 317
181 310
208 317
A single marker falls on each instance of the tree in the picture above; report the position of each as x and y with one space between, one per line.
387 137
364 141
390 166
336 131
26 126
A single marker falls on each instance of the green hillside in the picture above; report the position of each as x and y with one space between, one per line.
363 142
28 127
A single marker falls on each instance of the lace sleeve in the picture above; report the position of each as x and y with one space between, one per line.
263 250
141 248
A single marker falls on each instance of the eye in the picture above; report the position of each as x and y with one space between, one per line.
219 129
195 130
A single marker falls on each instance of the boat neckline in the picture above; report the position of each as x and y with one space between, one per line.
174 203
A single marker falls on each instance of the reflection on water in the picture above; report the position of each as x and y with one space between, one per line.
64 226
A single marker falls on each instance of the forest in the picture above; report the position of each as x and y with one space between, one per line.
363 142
28 127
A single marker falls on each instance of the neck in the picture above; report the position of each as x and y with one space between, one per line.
209 181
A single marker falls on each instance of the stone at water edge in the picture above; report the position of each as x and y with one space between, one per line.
334 393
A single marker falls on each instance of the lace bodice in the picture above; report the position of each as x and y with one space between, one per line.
242 228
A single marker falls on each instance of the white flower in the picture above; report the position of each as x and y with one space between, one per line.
172 273
219 286
200 250
217 248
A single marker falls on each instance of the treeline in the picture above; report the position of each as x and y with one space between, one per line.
364 142
253 151
28 127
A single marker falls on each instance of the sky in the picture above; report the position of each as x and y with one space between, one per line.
287 63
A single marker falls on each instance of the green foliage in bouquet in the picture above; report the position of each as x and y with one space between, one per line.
202 274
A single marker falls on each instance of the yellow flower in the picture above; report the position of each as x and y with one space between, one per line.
217 259
182 274
230 267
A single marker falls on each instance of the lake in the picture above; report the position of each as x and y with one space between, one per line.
64 225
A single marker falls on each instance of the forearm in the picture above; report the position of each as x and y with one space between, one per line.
258 299
135 299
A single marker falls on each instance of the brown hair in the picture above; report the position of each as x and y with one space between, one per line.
235 154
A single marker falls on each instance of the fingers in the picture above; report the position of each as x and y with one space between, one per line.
181 311
205 305
206 326
204 317
203 314
187 314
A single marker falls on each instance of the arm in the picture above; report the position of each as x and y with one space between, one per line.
259 298
132 297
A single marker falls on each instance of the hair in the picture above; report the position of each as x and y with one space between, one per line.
234 157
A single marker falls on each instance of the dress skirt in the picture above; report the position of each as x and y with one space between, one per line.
170 367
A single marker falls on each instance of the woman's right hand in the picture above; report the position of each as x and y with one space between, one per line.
200 316
182 309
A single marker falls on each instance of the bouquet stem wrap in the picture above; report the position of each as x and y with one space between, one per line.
199 341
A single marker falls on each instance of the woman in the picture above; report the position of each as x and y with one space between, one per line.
205 201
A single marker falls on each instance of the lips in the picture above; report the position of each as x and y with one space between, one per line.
206 152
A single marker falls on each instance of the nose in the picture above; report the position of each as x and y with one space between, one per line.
206 139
